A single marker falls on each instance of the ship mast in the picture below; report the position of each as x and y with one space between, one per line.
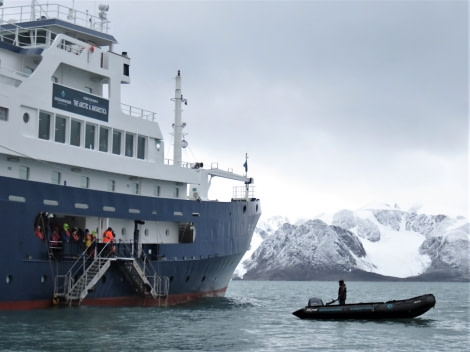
178 125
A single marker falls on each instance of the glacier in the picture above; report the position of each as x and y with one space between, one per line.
386 242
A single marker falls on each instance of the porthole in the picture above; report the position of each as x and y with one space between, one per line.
187 278
244 209
25 117
203 278
43 279
171 278
123 231
146 232
167 232
8 279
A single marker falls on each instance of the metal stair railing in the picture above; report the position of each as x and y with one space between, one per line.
160 284
145 278
65 287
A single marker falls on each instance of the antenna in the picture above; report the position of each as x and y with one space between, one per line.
178 125
103 15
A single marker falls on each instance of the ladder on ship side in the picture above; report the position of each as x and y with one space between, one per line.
74 286
75 292
150 284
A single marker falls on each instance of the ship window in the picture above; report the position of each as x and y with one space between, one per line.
44 125
3 114
25 117
75 132
141 147
156 191
24 38
129 144
54 79
55 177
116 142
60 125
104 133
88 90
126 70
177 194
158 144
90 136
9 279
84 182
111 186
24 172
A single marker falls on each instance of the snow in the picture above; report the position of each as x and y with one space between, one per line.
385 240
397 253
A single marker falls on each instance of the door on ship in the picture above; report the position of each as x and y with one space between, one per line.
137 243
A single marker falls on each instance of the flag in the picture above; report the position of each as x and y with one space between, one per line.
245 165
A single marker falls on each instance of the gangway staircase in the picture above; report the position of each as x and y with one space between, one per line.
67 290
145 279
74 286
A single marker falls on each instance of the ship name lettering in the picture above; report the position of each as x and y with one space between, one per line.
60 100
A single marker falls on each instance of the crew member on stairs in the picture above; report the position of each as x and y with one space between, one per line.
108 239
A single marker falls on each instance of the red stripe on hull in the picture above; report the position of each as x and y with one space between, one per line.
134 301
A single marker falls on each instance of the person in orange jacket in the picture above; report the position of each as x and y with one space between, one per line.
108 236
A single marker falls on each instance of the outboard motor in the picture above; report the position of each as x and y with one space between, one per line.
312 302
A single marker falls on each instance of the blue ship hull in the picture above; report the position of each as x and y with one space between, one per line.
201 268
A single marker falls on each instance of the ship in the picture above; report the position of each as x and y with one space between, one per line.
91 211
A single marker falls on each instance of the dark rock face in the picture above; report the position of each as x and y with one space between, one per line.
315 250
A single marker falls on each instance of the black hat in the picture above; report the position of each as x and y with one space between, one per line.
341 281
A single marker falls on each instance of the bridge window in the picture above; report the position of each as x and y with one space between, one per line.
44 125
141 147
75 132
90 136
104 133
129 144
117 142
60 127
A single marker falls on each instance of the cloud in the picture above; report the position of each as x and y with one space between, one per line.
337 103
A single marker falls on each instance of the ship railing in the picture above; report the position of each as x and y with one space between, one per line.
184 164
138 112
14 34
63 283
243 192
160 284
38 12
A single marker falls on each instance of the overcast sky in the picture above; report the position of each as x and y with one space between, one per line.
338 104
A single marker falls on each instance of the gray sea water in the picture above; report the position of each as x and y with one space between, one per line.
253 316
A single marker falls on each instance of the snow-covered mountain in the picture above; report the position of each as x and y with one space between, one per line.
368 244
